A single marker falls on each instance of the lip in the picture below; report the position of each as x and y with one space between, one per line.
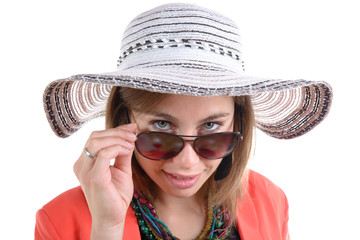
182 181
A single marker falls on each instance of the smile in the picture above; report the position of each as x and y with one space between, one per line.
182 181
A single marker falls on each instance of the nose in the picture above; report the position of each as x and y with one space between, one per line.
187 158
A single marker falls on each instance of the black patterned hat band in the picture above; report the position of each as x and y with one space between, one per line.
191 50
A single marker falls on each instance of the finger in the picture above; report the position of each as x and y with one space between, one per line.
114 131
82 166
88 154
121 163
99 140
124 138
100 171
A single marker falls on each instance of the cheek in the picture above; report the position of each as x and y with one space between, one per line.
212 165
149 166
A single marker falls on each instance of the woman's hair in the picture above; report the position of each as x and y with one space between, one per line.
225 192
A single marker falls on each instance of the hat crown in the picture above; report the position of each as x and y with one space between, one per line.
182 26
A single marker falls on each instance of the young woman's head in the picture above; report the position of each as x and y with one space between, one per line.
186 174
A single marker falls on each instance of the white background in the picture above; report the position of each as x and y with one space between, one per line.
43 41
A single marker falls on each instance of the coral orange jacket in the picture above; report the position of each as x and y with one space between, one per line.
262 215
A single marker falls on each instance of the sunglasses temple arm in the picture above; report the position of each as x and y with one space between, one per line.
127 115
240 109
241 122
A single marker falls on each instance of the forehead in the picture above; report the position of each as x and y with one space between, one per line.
195 106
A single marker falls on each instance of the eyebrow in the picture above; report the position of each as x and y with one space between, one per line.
215 116
174 119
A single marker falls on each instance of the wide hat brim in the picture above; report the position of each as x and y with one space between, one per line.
283 109
190 50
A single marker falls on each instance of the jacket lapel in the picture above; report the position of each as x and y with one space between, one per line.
247 222
131 228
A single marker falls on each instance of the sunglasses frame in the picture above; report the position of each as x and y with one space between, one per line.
238 134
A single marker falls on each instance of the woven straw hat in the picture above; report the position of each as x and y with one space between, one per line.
187 49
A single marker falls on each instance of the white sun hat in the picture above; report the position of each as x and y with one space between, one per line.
190 50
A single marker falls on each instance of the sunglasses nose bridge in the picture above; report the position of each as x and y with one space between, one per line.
187 157
186 140
192 140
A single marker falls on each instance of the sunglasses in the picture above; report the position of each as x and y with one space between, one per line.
162 145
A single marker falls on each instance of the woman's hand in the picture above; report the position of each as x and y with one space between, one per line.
108 189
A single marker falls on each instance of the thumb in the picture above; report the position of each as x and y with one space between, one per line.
124 161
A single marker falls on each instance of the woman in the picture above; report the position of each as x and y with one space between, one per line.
180 115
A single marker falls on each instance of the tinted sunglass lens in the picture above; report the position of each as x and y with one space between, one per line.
216 145
157 145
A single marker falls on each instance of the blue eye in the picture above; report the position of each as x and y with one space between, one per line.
164 125
211 125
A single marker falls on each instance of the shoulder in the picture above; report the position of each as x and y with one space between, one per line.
263 210
67 217
67 200
261 187
69 204
64 216
264 194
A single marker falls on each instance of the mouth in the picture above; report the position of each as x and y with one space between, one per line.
182 181
182 177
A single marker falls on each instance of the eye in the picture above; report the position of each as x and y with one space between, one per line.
160 124
211 126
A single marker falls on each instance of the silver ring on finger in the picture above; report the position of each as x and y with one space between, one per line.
88 154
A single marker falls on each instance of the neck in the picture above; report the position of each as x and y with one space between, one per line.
180 203
186 218
182 214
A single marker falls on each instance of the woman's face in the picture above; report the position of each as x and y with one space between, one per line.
183 175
